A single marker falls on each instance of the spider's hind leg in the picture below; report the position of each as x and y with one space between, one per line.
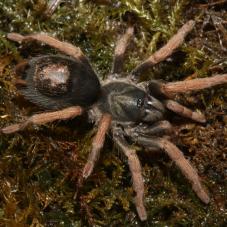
64 47
97 144
43 118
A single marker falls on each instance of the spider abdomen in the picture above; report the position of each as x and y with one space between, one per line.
52 79
56 81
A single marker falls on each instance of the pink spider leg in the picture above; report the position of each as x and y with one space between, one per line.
136 171
64 47
177 156
97 144
44 118
172 88
169 90
120 50
165 51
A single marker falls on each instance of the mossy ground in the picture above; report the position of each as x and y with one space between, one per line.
39 166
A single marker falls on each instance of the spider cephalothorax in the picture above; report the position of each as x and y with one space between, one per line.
133 112
128 103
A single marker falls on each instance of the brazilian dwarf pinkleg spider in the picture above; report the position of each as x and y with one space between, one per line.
129 110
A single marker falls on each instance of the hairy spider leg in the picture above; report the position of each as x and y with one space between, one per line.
97 144
163 52
64 47
136 171
43 118
158 129
184 111
177 156
172 88
120 50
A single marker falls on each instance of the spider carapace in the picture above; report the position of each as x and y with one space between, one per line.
132 112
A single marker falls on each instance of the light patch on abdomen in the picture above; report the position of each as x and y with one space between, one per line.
56 73
53 78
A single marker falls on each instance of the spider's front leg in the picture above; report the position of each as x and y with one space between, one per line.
165 51
168 90
135 168
177 156
172 88
43 118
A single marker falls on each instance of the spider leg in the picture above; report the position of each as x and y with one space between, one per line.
64 47
184 111
184 165
120 50
43 118
157 129
135 168
163 90
97 144
170 89
165 51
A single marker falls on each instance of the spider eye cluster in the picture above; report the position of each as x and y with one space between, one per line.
140 102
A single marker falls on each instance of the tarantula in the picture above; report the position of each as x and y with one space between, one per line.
133 112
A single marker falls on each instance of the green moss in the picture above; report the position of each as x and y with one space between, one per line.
40 167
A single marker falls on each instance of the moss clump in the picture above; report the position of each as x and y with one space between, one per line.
39 167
